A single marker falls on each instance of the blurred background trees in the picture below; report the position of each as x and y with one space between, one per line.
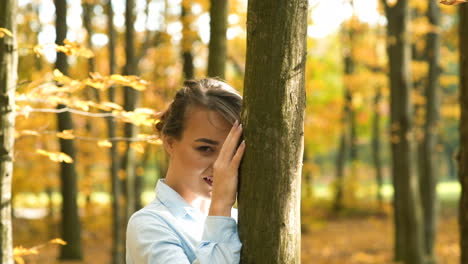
382 110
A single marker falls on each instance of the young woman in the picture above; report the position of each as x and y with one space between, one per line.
191 220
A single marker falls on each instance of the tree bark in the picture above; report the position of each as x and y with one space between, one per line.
407 205
130 101
428 169
71 230
118 243
463 154
218 44
273 117
8 80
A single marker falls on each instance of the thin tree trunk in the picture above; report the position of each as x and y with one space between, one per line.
8 79
130 97
217 47
71 230
376 149
408 223
187 41
449 156
273 115
340 166
50 215
308 183
349 70
343 150
87 17
37 59
90 92
463 154
140 171
117 232
428 173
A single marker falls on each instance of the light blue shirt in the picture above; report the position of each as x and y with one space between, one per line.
170 231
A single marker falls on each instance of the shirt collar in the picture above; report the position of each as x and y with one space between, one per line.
173 201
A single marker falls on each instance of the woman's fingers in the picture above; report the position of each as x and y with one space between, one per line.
238 156
233 144
229 146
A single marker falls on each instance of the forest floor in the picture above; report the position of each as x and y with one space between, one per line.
358 236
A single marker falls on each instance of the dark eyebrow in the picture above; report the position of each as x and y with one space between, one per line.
206 140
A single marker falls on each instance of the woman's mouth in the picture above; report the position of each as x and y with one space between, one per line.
208 180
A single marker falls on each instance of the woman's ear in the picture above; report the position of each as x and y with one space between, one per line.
168 143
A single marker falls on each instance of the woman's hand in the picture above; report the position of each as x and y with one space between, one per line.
225 173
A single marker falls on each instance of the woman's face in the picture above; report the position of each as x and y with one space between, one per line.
192 157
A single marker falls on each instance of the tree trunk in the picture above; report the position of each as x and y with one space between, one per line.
217 47
428 169
130 98
71 230
340 166
91 93
87 18
449 156
187 41
350 66
463 154
273 117
118 241
308 182
376 150
408 222
8 80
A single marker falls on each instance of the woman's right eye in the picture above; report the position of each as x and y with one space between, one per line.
205 149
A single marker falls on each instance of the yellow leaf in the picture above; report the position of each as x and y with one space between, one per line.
138 147
58 241
4 31
155 141
143 136
28 133
131 81
98 84
71 48
19 260
453 2
447 80
55 156
24 111
104 143
38 50
111 106
21 251
147 111
83 105
65 134
118 78
60 77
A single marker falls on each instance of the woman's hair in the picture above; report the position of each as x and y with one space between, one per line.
209 93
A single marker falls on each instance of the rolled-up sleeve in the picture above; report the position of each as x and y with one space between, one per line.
220 242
